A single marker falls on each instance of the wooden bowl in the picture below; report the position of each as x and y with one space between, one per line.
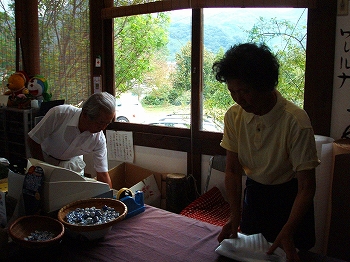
92 231
24 226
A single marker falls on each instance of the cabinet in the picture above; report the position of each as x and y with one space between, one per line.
339 232
14 127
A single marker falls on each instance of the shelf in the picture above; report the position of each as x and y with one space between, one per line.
14 127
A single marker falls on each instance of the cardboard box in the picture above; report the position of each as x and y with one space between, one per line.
128 175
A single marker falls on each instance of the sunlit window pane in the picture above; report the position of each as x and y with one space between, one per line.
152 67
282 29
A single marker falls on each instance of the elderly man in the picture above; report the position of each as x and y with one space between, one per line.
66 133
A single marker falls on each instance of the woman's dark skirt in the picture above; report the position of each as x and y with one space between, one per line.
266 209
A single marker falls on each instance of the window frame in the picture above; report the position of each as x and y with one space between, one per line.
318 76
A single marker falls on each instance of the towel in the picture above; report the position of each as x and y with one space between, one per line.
250 248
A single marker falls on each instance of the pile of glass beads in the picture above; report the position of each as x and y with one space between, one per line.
91 216
40 236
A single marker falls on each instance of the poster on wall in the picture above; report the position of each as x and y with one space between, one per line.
120 146
341 85
344 58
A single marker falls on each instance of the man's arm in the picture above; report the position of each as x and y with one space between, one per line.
35 149
104 177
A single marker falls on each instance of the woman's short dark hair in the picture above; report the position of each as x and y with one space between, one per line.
253 64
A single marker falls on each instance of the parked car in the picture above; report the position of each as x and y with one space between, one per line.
184 121
129 111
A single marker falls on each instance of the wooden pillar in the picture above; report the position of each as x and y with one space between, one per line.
319 91
196 95
101 40
27 36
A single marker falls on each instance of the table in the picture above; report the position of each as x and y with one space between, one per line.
155 235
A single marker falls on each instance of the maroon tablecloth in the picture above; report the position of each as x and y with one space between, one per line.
154 235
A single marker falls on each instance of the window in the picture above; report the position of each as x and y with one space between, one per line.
64 47
153 63
320 47
153 55
282 29
7 43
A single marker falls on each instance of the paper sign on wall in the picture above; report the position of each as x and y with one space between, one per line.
120 146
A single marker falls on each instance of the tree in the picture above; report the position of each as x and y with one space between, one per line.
7 43
215 95
288 42
181 77
217 99
138 40
65 48
157 82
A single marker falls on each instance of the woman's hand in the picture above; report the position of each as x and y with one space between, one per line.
286 242
228 231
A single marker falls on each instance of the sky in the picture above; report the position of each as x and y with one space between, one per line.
249 15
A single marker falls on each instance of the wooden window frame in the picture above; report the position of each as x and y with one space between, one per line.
318 75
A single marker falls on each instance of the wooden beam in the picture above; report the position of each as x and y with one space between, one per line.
171 5
101 41
319 71
178 139
195 162
27 36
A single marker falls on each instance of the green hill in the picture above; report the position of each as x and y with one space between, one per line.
224 27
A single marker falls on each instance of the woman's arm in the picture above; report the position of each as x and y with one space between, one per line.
233 187
302 202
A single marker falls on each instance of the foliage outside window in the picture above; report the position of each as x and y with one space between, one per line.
7 43
285 36
64 47
153 55
160 75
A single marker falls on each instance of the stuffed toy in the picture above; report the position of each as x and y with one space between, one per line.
17 84
38 87
18 93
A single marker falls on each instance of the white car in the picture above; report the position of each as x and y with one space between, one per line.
184 121
129 111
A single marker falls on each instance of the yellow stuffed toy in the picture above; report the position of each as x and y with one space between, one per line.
17 84
17 91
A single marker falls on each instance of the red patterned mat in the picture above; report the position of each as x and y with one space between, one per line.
210 207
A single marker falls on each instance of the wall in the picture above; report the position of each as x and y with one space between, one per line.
161 160
158 160
341 89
